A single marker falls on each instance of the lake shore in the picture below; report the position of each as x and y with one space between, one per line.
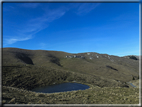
93 95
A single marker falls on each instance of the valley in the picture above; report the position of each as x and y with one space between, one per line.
106 75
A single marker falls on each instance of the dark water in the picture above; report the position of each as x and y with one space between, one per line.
61 88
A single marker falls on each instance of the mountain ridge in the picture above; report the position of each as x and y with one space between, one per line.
69 52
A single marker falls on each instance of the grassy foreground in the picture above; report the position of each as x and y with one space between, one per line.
18 81
93 95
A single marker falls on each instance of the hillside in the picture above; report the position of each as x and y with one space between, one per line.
102 65
27 69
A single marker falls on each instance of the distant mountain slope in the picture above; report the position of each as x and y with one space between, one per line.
102 67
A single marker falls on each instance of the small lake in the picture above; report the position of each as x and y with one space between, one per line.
61 88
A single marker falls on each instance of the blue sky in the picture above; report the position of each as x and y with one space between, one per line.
111 28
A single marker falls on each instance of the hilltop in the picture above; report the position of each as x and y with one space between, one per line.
27 69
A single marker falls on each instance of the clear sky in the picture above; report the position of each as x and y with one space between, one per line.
110 28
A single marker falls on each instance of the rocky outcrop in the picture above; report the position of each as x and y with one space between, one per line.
75 56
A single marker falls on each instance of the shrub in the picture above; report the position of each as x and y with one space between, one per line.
133 57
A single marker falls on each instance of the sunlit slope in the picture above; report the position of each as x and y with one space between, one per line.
15 56
117 68
106 66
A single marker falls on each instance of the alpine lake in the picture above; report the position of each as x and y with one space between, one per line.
63 87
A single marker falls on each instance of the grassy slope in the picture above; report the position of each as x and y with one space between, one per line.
94 95
127 68
43 68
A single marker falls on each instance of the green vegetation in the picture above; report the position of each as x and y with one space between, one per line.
94 95
31 69
133 57
29 77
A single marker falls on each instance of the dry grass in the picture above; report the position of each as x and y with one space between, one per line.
24 70
94 95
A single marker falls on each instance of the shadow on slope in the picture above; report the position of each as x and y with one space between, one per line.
23 57
54 60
